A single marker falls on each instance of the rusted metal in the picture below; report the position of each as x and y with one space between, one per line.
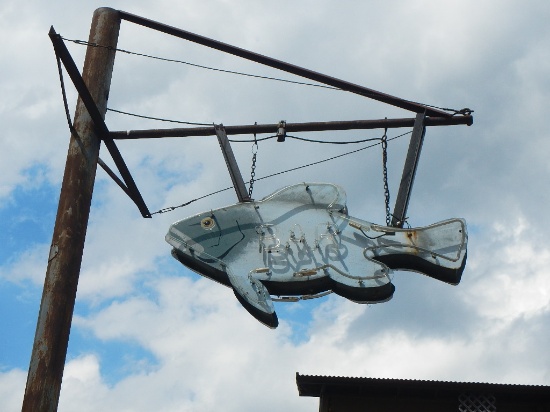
290 127
412 240
98 120
409 171
287 67
60 285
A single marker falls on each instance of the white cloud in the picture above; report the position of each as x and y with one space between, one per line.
29 265
513 282
12 388
82 385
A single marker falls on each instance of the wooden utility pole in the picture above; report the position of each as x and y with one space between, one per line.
59 294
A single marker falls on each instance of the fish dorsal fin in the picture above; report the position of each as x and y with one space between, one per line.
327 194
255 298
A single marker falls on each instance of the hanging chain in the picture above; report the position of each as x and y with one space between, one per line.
385 172
253 168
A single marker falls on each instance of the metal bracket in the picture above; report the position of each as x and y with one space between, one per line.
409 170
231 162
129 186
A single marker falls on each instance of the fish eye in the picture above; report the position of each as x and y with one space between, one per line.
207 223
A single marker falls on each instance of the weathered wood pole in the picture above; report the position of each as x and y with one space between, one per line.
58 297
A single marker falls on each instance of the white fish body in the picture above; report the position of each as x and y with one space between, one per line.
300 241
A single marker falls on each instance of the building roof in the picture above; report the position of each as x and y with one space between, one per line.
310 385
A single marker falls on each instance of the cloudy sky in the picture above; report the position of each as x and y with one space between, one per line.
148 334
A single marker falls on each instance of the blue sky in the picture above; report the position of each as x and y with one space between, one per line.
147 333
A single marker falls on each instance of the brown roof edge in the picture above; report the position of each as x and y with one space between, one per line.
315 386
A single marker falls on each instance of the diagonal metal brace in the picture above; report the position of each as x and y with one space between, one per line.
287 67
129 185
409 171
234 172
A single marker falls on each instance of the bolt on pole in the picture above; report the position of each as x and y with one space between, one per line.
65 258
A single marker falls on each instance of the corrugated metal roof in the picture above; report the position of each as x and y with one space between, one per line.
314 385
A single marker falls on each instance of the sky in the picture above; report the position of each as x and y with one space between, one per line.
147 333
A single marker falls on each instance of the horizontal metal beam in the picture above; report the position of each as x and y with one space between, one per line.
287 67
290 127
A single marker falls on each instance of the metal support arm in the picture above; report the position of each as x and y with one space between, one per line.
232 165
409 170
287 67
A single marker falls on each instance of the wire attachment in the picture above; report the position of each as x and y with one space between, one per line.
281 131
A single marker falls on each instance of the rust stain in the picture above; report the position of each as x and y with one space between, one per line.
412 238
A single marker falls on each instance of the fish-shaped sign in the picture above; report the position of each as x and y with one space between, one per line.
300 241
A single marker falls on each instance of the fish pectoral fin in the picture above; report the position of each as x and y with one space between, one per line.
255 298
